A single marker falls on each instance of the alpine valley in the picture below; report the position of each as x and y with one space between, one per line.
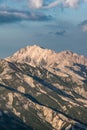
43 90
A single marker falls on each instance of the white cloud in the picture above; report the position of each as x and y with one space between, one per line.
72 3
53 4
35 4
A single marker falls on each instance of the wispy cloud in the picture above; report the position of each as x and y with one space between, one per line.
83 22
85 28
47 4
36 4
60 33
11 16
83 25
53 4
72 3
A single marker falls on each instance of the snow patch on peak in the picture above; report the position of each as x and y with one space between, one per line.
39 56
32 53
31 50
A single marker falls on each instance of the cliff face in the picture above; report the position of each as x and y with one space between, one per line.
44 89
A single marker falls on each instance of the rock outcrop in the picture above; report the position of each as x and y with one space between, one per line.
44 89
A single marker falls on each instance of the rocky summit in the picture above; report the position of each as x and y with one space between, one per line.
43 90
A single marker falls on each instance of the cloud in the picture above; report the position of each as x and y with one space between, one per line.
37 4
53 4
61 33
47 4
65 3
85 28
83 22
72 3
11 16
83 25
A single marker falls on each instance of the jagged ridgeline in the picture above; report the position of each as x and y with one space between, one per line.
43 90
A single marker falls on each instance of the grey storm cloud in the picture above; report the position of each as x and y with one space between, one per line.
11 16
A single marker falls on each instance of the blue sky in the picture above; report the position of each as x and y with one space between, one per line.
54 24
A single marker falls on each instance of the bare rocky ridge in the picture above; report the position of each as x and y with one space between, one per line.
67 62
44 89
36 55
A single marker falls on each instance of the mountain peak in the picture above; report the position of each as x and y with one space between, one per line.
35 53
38 56
68 52
51 88
34 47
29 50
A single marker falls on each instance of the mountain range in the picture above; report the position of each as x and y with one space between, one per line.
43 90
